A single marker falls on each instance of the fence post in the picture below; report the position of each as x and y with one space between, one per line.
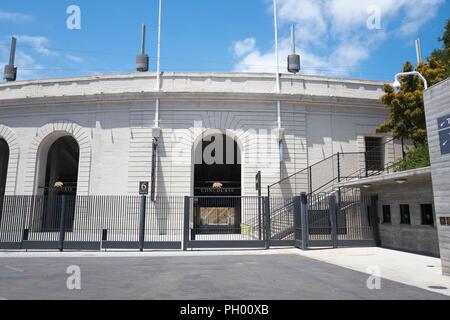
304 220
310 187
62 223
186 222
339 166
142 223
258 188
297 221
333 220
267 232
374 218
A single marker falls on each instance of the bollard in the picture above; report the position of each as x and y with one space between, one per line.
142 223
62 223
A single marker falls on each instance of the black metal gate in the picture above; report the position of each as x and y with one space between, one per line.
341 219
224 222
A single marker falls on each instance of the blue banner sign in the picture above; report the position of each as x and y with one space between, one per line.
444 141
444 122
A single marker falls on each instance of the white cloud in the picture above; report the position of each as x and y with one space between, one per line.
244 46
15 17
74 58
32 54
29 68
39 44
332 35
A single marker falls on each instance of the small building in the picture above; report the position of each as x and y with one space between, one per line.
405 210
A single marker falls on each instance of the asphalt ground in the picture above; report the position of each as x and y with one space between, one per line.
243 277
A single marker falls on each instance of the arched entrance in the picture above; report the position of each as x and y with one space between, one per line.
4 160
59 178
217 185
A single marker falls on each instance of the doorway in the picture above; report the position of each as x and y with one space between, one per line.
217 185
61 176
4 160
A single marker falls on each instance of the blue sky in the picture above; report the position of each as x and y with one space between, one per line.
211 35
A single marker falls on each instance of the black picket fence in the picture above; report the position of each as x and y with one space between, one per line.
135 222
91 222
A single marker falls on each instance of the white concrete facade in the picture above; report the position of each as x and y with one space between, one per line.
111 117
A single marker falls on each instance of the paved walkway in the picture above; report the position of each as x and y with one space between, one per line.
260 274
411 269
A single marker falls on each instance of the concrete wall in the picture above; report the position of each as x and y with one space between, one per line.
437 104
415 237
113 129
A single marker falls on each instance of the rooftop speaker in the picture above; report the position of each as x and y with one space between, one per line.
293 61
142 59
10 73
142 62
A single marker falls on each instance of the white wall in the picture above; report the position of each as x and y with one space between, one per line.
115 130
437 104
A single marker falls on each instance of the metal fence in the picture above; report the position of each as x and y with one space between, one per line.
215 222
323 176
132 222
91 222
341 219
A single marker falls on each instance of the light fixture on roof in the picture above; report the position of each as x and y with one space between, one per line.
397 84
367 186
400 181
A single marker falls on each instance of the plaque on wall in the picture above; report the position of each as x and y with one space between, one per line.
444 141
444 122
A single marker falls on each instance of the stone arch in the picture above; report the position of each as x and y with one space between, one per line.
45 136
11 139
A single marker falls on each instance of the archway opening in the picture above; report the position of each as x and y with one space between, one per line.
4 160
217 185
61 176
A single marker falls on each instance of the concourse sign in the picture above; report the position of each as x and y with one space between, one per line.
143 188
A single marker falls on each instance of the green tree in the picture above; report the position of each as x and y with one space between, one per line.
417 157
407 114
444 54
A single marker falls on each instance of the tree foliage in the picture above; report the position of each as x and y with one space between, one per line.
444 53
417 157
407 114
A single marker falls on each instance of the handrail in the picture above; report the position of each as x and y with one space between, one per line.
330 157
290 176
